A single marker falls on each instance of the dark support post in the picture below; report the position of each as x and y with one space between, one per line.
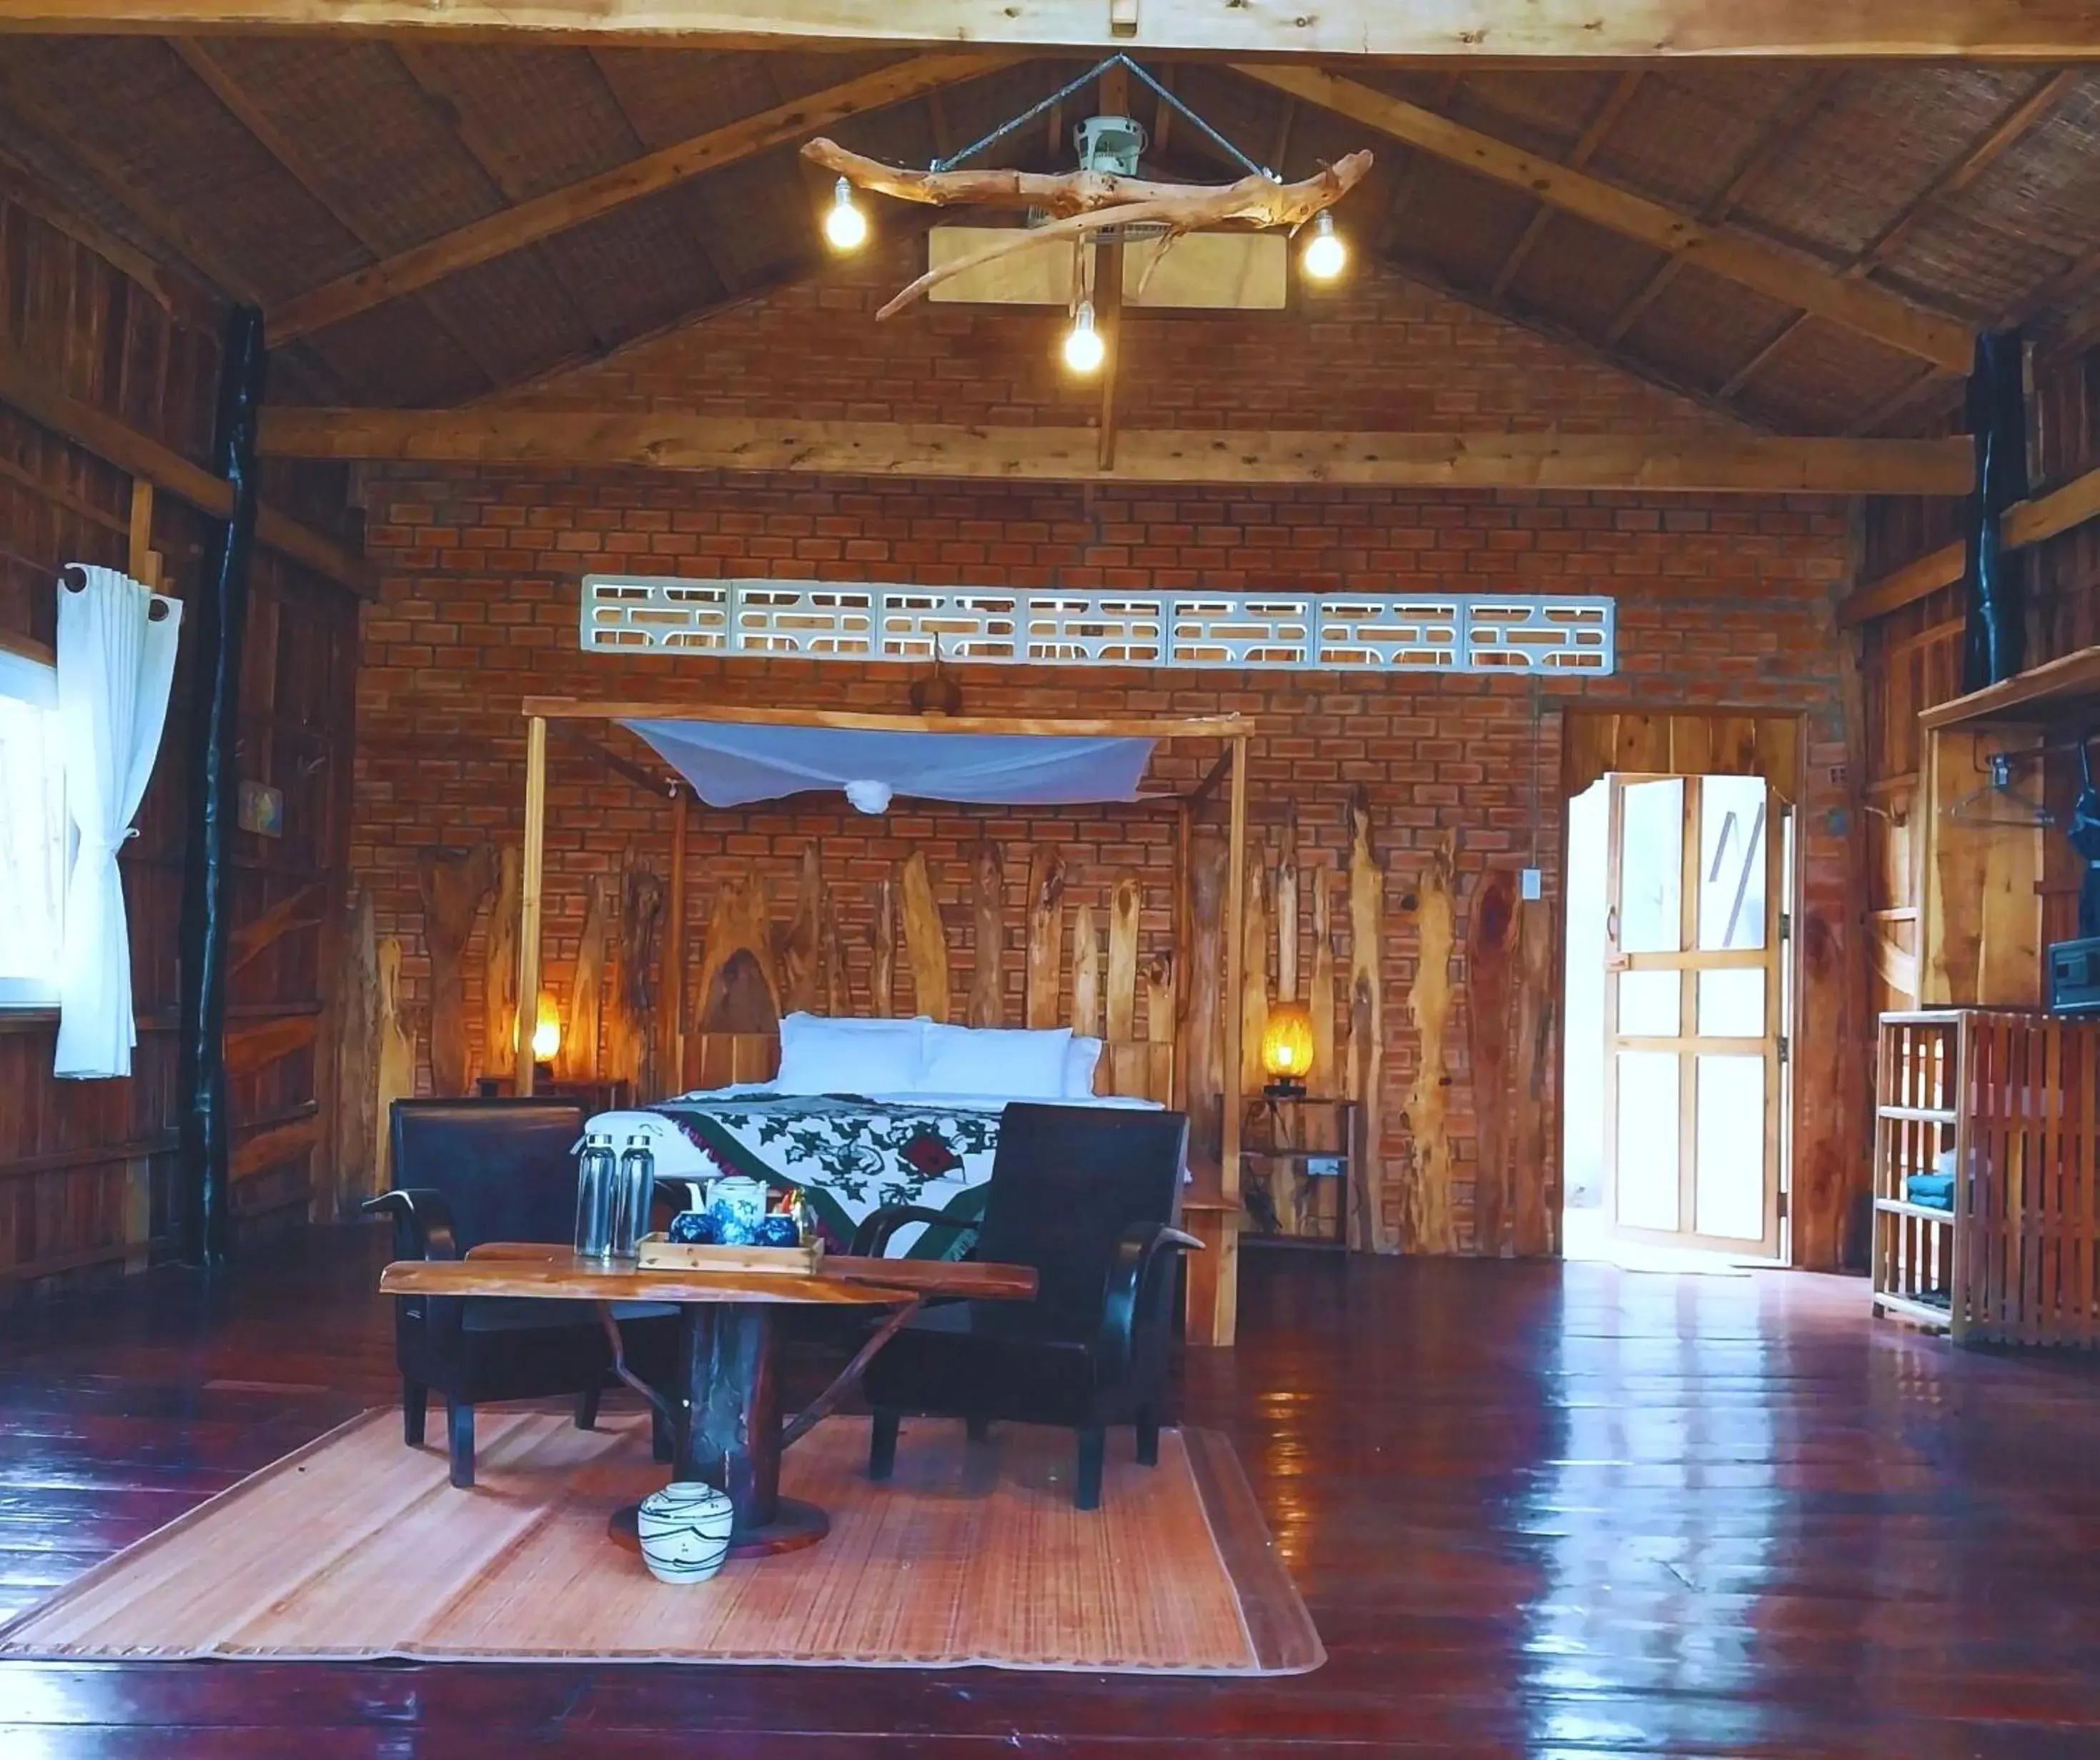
218 618
1994 642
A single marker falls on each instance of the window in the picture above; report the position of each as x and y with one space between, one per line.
827 620
34 835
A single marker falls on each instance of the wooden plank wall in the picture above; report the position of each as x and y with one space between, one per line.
1096 952
1911 660
87 1168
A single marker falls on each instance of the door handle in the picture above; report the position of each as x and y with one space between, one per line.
1612 928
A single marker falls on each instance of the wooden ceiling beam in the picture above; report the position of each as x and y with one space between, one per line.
2021 116
211 71
45 402
529 222
1584 150
1472 30
1766 269
679 441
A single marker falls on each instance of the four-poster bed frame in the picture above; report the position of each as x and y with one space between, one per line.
1214 1204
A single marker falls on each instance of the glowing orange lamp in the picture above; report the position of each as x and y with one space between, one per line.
1287 1049
546 1037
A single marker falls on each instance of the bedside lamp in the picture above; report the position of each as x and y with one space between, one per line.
546 1038
1286 1050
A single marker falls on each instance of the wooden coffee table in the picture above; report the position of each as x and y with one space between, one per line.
726 1421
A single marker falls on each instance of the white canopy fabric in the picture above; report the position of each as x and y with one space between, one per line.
731 765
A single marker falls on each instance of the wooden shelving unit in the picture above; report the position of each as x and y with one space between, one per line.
1916 1120
2008 1101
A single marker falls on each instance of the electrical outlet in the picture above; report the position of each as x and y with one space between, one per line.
1532 883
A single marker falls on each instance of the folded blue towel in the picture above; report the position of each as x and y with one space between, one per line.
1935 1191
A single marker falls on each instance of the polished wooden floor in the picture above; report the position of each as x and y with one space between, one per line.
1536 1511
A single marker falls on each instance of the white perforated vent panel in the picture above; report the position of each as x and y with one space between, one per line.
811 620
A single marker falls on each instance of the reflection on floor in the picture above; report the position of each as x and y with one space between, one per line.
1587 1235
1537 1510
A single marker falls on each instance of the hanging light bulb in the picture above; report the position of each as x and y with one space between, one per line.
1084 351
1325 255
845 227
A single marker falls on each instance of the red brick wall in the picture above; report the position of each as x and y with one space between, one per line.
1378 352
1720 602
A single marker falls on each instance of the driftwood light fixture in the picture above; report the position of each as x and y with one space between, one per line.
1084 202
1103 199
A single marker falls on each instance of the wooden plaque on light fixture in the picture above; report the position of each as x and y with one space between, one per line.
1210 271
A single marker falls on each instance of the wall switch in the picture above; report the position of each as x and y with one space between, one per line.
1532 883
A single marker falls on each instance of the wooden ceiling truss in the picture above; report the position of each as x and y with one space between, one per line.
1287 102
1554 32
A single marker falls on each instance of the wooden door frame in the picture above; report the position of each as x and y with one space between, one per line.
1688 1043
1566 788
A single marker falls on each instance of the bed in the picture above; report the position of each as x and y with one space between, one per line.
928 1137
1145 949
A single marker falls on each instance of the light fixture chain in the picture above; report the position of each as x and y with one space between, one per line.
1023 120
1065 90
1182 109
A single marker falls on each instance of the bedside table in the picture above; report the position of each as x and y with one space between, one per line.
1281 1137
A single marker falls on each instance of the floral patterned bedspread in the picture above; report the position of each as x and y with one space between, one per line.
850 1157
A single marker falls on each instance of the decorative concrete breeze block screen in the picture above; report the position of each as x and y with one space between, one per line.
822 620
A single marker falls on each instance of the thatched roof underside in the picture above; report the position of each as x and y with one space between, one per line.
1863 170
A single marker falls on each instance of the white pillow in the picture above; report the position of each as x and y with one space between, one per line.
1009 1063
822 1056
1080 1059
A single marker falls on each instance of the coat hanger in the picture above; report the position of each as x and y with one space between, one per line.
1997 802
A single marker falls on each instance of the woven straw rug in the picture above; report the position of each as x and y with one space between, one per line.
356 1548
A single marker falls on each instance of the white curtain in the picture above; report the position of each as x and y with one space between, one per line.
116 663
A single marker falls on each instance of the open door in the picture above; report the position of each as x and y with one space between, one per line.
1695 1007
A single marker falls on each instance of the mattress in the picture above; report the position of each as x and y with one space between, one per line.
849 1154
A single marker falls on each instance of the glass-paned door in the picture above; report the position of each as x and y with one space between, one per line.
1694 1008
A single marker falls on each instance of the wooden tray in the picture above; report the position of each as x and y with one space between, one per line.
660 1252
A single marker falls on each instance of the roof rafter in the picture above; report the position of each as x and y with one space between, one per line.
205 62
1415 269
1777 135
1765 268
700 236
1514 311
438 99
2014 122
1584 150
513 228
1474 30
188 255
176 288
41 108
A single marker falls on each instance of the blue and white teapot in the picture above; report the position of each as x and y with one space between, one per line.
730 1211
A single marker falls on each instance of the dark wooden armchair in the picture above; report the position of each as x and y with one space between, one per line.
1089 1197
471 1172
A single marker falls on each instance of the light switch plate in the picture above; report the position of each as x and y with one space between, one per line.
1533 882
